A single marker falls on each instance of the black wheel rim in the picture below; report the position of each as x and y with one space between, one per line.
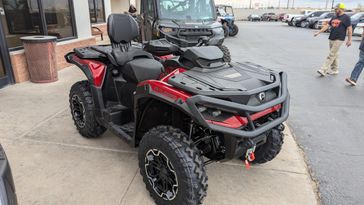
78 111
161 174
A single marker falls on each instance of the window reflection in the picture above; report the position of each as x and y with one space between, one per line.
58 18
96 8
21 19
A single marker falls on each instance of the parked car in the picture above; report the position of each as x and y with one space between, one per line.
356 18
303 20
281 16
269 17
254 17
313 21
358 31
7 188
288 18
322 22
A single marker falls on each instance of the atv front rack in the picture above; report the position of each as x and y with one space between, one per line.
247 111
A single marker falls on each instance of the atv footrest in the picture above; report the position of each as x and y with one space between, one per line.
117 114
128 128
119 131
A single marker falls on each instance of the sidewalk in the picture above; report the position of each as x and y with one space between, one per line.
53 164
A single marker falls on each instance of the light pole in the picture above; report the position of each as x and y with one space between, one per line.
333 2
250 4
287 4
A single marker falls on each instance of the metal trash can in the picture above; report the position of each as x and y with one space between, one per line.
40 52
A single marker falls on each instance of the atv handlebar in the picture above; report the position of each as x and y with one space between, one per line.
245 110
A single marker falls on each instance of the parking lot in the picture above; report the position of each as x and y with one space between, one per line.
53 164
326 114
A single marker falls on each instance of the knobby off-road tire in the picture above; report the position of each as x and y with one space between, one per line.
227 55
83 114
186 164
234 30
226 30
270 149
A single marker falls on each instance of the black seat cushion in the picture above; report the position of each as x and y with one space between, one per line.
141 69
120 58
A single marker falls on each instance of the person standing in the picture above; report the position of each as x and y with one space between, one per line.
359 65
340 27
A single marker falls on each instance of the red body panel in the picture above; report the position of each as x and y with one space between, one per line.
161 86
166 57
97 69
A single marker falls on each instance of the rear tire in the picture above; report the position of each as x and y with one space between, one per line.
227 55
234 30
82 110
172 168
271 148
226 30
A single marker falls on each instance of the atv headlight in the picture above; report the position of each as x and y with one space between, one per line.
214 114
167 30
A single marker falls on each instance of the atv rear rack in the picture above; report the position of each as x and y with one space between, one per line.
243 110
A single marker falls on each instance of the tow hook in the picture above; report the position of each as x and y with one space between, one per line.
249 156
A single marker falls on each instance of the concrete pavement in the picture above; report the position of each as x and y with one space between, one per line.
53 164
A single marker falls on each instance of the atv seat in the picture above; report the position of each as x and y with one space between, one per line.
136 64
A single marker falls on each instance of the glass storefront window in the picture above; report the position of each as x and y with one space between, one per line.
24 18
19 18
97 14
58 17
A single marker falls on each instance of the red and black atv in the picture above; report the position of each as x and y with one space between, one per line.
184 110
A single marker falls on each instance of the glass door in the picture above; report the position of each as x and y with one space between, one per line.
5 66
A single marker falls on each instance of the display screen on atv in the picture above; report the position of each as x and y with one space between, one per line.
186 9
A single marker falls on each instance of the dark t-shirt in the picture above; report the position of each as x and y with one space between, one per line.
339 26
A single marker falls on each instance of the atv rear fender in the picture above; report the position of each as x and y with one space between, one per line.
94 70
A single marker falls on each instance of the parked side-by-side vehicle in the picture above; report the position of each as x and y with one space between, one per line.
188 20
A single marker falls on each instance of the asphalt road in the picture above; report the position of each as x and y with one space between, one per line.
327 115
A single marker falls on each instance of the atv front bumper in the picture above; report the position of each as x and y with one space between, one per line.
235 136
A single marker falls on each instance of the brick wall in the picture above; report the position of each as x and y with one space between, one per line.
64 47
19 64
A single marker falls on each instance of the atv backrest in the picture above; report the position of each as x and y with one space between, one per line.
122 29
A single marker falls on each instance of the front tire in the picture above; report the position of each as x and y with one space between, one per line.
271 148
227 55
172 168
234 30
82 110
